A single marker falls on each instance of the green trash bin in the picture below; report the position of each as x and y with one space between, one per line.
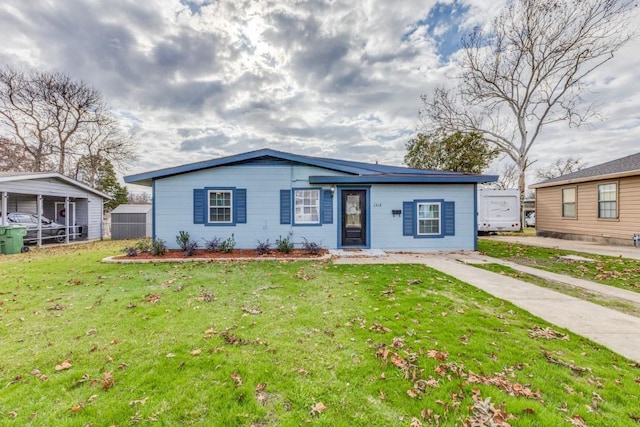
12 239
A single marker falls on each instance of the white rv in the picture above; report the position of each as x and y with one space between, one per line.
498 210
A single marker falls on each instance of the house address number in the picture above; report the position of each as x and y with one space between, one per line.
377 205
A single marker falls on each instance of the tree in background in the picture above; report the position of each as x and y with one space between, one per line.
106 181
12 157
455 152
55 121
560 167
526 72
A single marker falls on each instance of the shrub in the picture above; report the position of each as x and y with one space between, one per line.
213 244
131 251
144 245
190 248
311 248
158 247
228 245
263 248
182 239
285 245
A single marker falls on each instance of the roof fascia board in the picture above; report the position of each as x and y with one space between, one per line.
587 179
395 179
57 176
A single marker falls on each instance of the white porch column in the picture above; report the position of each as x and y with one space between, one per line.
67 214
5 198
39 215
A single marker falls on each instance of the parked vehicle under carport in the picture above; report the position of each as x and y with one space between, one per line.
50 230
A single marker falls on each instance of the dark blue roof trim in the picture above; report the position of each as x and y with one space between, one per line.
403 179
362 172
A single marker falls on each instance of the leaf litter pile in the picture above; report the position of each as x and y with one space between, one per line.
287 343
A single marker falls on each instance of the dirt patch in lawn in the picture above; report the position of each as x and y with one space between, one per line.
202 254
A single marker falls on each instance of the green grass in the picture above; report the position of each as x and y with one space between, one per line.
623 273
624 306
263 343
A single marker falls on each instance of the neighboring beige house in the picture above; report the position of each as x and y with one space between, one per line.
599 204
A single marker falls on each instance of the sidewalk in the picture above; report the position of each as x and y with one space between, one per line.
618 331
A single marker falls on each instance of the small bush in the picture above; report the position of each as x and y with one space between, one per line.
311 248
263 248
190 248
285 245
213 244
131 251
228 245
144 245
183 239
158 247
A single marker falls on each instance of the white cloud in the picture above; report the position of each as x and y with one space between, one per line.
197 78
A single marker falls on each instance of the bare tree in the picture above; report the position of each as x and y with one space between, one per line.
55 119
508 176
12 157
526 71
560 167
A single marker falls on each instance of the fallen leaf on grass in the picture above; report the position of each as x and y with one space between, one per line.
237 379
196 352
577 420
317 408
77 408
107 380
438 355
546 333
138 401
64 365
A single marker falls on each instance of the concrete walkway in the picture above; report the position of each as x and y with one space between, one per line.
618 331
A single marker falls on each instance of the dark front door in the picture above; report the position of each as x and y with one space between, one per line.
354 226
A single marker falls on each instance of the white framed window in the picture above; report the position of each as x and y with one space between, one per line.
220 206
608 200
306 206
569 202
429 219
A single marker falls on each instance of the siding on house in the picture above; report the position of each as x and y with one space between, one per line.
388 233
173 204
173 209
587 225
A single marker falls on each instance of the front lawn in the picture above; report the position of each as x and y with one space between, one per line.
285 344
623 273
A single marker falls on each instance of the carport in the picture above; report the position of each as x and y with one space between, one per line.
59 198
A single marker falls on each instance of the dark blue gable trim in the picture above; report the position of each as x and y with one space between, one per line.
362 173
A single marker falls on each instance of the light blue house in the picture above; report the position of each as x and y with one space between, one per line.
266 194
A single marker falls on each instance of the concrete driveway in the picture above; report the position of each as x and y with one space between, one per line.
632 252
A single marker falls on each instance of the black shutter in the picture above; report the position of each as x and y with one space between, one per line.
199 206
327 207
285 206
449 218
241 205
408 222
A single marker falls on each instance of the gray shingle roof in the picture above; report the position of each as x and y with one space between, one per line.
623 165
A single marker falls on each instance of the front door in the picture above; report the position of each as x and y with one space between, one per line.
353 215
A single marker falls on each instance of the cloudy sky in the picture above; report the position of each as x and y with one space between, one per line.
196 79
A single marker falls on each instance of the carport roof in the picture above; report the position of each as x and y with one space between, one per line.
26 176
